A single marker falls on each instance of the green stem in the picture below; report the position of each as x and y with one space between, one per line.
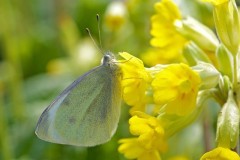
235 89
6 149
11 46
235 73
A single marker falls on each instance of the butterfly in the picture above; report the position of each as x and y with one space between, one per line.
87 112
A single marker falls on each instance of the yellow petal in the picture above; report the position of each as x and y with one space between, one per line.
220 153
130 148
176 87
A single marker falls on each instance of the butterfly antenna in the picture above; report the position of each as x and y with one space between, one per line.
95 44
99 31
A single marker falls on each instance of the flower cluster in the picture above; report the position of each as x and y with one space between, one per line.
165 49
150 140
191 66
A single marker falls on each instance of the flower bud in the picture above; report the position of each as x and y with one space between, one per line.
115 15
193 54
198 33
225 61
226 19
228 124
208 73
224 85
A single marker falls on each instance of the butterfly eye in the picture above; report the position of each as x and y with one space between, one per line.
106 60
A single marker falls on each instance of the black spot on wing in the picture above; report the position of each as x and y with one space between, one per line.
72 120
66 102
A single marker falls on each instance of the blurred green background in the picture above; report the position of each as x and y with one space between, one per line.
44 47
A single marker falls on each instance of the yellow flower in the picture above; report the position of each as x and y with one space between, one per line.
216 2
165 36
176 88
220 153
151 141
155 56
135 82
133 149
149 130
179 158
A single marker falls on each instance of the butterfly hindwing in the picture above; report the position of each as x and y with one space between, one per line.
86 113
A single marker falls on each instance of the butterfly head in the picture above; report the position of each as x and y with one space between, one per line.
108 59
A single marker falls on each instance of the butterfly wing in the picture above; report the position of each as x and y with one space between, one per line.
86 113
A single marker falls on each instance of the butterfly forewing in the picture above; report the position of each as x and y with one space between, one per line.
87 112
